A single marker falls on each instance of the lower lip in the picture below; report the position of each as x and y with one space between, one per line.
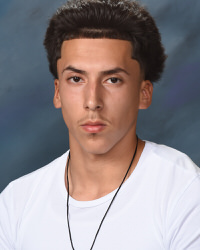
93 128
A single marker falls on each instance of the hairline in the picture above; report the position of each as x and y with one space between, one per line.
105 37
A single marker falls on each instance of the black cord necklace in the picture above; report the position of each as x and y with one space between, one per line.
70 236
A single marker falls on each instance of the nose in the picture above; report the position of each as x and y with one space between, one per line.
93 96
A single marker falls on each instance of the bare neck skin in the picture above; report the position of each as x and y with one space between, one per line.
95 176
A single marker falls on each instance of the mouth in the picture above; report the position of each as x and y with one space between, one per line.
93 127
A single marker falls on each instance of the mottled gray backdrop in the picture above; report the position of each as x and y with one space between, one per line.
32 132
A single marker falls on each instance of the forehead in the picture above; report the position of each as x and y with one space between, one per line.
102 49
97 43
95 55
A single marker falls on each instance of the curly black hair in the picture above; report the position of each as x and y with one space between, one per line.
115 19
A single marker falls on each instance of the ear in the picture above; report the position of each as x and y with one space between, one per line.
56 99
146 92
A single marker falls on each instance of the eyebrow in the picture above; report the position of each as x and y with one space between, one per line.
114 71
106 72
71 68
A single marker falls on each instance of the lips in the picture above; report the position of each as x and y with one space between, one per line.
93 127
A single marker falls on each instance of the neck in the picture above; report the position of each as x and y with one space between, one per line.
93 176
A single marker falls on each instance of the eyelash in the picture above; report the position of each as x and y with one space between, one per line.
115 78
118 80
73 79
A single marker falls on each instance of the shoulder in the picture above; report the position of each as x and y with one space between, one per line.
20 191
174 175
179 199
175 181
36 176
171 172
171 159
23 194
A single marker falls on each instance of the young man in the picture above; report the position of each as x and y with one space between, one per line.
111 190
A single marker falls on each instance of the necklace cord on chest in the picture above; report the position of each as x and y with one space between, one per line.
70 235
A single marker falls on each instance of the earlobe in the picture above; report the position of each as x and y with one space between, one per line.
146 93
56 99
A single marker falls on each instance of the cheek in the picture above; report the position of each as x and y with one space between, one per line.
71 108
70 97
125 105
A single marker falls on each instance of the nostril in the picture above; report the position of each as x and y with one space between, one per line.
98 107
93 107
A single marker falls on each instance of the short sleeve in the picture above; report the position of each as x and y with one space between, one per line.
6 220
183 223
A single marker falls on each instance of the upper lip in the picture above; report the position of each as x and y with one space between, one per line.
93 123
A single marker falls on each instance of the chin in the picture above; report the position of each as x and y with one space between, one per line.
95 144
97 148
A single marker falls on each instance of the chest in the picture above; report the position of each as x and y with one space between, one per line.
128 225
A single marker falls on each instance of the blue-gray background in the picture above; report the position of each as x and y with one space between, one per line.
32 132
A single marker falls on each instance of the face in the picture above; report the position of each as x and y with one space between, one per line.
100 90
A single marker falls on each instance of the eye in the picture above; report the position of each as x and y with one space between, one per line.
114 80
75 79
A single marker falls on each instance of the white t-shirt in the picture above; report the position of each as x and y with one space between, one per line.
158 207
